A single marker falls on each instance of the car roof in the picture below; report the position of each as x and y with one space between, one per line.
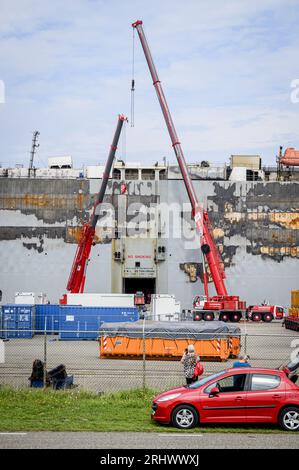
259 370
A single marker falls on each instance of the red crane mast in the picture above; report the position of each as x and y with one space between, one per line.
225 306
77 276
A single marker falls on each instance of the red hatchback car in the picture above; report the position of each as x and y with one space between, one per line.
240 395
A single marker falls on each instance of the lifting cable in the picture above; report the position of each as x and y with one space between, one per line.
133 81
124 141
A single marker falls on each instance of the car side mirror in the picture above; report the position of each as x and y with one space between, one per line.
214 392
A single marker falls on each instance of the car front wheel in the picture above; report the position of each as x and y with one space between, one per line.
289 418
184 417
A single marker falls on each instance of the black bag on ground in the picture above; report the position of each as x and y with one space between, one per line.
58 373
59 378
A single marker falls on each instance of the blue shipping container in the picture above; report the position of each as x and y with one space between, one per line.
47 316
77 322
20 319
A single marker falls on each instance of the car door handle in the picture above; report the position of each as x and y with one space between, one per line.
276 396
239 398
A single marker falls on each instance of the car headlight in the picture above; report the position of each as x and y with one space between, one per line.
168 397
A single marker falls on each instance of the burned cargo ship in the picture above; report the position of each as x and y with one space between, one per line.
145 237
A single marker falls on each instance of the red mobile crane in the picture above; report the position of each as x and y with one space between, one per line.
77 276
222 306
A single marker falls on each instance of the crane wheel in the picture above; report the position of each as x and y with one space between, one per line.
197 316
209 316
236 317
267 317
224 317
256 317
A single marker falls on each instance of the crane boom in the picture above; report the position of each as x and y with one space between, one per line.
203 226
77 276
34 146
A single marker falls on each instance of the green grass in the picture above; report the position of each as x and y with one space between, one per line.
39 410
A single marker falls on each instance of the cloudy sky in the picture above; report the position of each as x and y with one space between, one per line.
227 68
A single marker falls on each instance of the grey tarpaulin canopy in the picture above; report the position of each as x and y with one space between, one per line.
170 330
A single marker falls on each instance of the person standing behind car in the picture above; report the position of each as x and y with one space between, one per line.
189 360
238 379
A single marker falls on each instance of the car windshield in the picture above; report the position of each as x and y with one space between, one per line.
205 380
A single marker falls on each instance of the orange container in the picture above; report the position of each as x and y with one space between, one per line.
234 346
295 298
294 312
167 349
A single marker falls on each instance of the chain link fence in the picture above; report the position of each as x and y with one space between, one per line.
268 345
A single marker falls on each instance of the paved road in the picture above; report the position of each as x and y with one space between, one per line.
117 440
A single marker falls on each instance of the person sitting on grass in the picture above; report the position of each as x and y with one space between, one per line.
37 375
